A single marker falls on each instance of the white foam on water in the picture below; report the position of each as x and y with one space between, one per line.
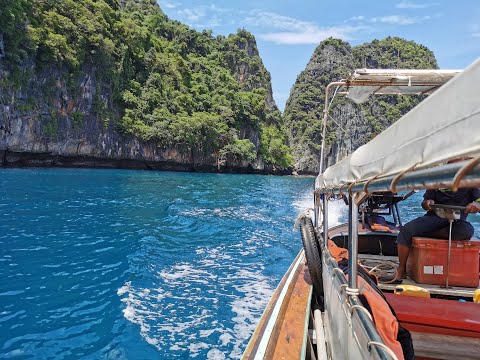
336 209
195 348
172 321
225 338
215 354
184 272
304 201
234 212
256 291
137 311
182 308
129 313
124 289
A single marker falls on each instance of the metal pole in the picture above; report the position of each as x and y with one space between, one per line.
449 247
398 216
394 213
352 246
325 219
440 176
324 120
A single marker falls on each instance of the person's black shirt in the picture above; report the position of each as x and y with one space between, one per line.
462 197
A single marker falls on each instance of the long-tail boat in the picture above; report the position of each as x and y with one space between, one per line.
329 304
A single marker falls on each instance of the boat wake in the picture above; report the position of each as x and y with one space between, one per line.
337 210
190 310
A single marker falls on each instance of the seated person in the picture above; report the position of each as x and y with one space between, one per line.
431 225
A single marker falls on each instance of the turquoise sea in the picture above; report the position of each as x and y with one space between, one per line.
124 264
117 264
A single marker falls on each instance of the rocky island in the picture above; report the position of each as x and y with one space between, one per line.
118 84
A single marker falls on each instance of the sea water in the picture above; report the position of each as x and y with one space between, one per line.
113 264
140 265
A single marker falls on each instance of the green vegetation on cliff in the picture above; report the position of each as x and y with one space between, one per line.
157 79
333 60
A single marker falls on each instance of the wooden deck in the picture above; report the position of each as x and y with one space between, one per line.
283 328
434 289
291 341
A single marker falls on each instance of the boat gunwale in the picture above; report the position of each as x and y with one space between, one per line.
253 349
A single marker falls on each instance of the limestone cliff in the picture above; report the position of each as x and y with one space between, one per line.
120 85
354 124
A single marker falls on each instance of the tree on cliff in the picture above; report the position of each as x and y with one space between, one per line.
156 79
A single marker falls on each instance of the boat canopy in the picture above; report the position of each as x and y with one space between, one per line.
365 82
444 126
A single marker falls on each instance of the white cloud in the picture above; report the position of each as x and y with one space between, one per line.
389 19
272 20
295 31
204 16
357 18
399 19
192 15
411 5
306 37
168 4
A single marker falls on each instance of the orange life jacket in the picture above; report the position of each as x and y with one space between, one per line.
385 322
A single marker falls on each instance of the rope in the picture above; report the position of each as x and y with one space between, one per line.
380 268
304 214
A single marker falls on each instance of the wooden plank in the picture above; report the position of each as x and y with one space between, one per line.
292 335
434 289
446 347
378 257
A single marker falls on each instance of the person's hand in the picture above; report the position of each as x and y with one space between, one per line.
473 207
426 204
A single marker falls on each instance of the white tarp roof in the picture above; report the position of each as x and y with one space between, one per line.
446 125
365 82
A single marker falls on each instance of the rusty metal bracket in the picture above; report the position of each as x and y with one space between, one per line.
350 187
365 187
329 192
396 179
464 170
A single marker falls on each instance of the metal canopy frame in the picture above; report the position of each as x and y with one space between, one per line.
399 81
456 175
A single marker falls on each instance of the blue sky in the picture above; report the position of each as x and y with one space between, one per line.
287 31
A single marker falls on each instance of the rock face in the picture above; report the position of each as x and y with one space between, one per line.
43 124
67 132
352 125
78 112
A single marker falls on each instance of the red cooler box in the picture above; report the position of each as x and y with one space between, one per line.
427 263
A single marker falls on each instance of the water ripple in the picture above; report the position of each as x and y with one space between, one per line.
140 265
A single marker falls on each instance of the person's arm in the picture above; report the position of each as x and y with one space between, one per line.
428 199
474 206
